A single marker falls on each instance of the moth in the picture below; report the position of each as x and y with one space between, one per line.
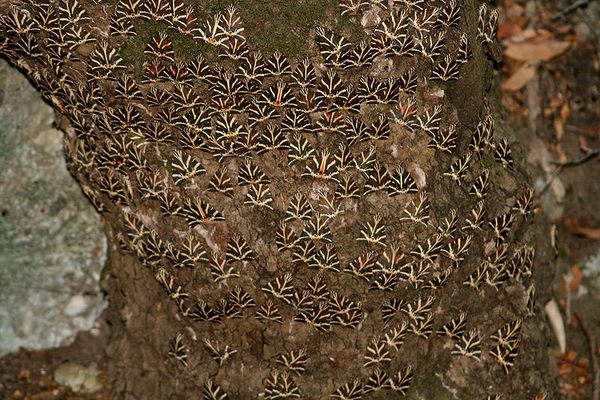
294 361
373 232
178 350
323 167
469 345
362 266
72 13
447 69
211 32
279 95
279 385
487 25
331 88
362 55
376 353
334 48
219 353
418 210
203 312
479 188
278 66
220 269
184 167
231 25
182 19
268 312
455 328
401 381
350 390
126 88
282 288
318 316
300 149
378 380
161 48
295 122
212 391
240 298
458 170
326 259
198 211
390 308
154 72
259 195
317 229
252 69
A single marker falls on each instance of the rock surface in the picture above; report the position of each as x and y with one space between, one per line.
78 377
52 245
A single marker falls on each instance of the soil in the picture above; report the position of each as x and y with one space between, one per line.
29 375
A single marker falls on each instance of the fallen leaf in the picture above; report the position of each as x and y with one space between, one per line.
565 111
590 233
520 77
540 50
24 374
583 143
558 128
530 34
557 324
577 278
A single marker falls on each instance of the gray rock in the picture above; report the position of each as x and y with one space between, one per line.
52 246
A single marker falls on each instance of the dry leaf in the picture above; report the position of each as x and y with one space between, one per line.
589 233
557 324
559 128
577 278
583 143
565 111
541 50
520 77
529 34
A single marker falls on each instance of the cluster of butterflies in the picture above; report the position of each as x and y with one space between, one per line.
249 105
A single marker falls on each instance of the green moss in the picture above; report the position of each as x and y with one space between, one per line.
287 25
433 386
186 47
269 25
487 160
132 51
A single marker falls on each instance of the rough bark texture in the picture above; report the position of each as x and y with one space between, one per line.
365 307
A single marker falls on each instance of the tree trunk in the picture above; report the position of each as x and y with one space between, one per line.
372 243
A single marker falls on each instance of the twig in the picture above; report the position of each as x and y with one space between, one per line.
593 358
588 155
570 9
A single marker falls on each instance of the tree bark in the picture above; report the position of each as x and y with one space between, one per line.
402 289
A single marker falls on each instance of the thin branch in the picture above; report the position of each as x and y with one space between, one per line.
593 358
588 155
567 10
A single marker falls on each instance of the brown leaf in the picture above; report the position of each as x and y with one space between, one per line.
577 278
590 233
558 128
540 50
520 77
583 143
565 111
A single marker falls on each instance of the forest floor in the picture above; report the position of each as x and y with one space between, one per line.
551 90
